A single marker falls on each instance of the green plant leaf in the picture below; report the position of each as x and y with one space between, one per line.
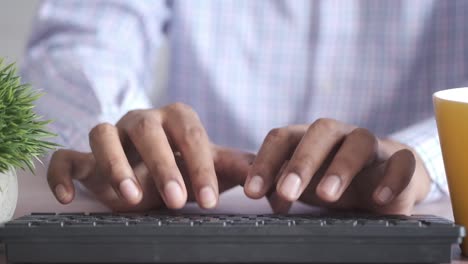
23 135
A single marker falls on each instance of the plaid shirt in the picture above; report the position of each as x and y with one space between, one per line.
249 66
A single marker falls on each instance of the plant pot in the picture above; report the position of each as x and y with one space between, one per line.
8 195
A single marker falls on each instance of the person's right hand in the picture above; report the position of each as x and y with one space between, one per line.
148 159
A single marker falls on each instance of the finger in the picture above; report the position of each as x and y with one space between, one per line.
358 149
231 166
319 140
277 203
151 199
66 165
190 138
277 147
398 173
145 130
112 162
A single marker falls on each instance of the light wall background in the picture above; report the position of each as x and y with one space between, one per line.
16 17
15 23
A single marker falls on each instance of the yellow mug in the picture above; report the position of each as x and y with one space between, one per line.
451 112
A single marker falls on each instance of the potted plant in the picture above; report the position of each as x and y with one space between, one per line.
22 135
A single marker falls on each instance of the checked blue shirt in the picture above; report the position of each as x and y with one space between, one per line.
249 66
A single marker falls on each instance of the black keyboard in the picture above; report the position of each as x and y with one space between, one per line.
172 238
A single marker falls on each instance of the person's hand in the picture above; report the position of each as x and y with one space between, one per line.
148 159
335 165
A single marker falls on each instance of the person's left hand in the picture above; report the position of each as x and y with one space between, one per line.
335 165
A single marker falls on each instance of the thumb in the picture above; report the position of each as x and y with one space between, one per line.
231 166
66 165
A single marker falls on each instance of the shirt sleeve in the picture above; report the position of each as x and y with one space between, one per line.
93 60
423 138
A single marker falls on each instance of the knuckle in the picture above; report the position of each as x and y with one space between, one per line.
326 124
162 172
303 163
366 135
344 165
277 135
101 130
192 134
180 108
58 154
201 173
366 138
113 166
261 169
155 167
143 124
134 113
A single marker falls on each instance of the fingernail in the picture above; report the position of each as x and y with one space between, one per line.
207 197
129 190
385 195
290 187
61 192
255 184
173 193
331 185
